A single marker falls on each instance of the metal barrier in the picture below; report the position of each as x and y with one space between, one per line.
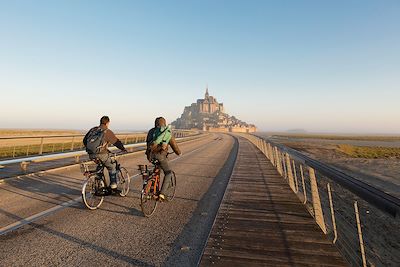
366 234
24 146
130 141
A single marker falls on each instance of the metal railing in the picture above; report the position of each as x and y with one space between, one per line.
76 150
24 146
365 233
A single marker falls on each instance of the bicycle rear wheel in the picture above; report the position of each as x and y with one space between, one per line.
90 192
170 192
123 181
148 202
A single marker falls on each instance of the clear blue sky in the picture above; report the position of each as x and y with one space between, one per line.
330 66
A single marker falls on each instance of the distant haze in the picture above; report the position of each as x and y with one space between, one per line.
313 65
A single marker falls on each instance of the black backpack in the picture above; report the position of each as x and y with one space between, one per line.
95 140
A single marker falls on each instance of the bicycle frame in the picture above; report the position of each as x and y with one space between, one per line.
148 175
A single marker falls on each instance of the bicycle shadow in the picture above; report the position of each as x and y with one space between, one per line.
126 209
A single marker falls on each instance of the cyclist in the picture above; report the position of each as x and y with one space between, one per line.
96 142
158 140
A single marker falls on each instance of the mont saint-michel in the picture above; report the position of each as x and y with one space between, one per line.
209 115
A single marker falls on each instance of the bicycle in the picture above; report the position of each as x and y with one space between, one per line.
151 187
94 188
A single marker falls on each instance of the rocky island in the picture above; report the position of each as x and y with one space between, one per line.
209 115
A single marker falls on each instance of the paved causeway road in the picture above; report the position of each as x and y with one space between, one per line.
62 232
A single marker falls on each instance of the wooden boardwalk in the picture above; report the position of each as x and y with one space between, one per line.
261 222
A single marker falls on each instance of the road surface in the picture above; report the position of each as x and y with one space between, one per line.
62 232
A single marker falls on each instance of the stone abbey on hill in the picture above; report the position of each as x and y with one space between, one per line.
209 115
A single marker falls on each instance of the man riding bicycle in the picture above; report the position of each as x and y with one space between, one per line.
158 140
96 142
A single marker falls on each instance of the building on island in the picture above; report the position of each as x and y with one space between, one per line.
209 115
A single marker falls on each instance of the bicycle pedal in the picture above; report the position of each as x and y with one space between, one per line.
115 192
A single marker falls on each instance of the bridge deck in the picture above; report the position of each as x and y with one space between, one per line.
262 223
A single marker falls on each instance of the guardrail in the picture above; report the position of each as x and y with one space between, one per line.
130 141
24 146
366 234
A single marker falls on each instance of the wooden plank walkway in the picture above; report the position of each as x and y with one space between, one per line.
261 222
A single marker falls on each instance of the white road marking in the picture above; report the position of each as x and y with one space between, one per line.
30 219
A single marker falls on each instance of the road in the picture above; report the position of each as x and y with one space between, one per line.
64 233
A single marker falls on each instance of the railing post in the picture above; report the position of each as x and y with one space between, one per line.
271 154
332 213
72 144
319 216
265 149
290 173
41 146
278 162
296 183
303 184
284 165
360 237
270 157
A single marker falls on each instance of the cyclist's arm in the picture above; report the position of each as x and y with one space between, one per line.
174 146
119 145
112 139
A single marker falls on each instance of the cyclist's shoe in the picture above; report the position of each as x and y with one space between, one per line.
161 197
113 185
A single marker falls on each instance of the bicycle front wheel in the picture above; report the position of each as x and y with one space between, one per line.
123 181
170 192
90 192
148 201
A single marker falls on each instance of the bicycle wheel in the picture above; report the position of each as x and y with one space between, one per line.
124 180
148 202
170 192
90 190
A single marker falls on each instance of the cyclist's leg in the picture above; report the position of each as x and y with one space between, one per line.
111 167
167 175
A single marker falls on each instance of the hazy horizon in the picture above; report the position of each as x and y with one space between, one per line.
328 67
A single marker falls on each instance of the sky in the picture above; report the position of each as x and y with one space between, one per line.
321 66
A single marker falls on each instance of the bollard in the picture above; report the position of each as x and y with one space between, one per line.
290 173
318 214
77 157
332 213
24 165
360 237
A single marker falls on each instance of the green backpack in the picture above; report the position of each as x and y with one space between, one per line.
162 135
